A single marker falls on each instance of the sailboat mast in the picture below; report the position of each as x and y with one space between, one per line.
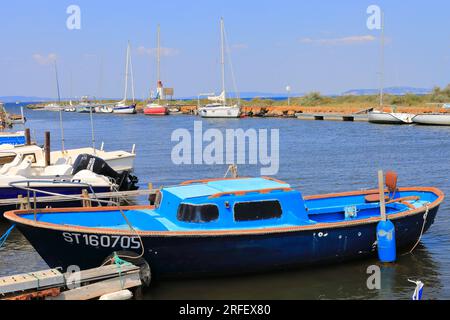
158 63
126 73
158 57
71 87
92 128
60 109
222 36
132 78
100 81
382 62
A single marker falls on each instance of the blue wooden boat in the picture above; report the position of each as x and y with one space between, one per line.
12 138
229 226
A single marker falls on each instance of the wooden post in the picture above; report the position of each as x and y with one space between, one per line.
20 201
47 148
87 202
28 136
382 195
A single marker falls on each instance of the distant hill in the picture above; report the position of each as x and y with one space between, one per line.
266 95
253 95
397 91
249 95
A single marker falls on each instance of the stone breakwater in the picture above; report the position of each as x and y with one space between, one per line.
291 111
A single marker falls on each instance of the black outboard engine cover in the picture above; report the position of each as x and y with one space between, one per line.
124 180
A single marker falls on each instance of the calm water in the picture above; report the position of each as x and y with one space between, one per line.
316 157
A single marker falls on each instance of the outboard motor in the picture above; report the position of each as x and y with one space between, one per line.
124 180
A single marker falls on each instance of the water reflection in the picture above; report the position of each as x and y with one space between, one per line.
344 281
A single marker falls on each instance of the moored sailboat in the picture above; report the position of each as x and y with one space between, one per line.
123 107
220 109
380 116
155 108
440 118
433 119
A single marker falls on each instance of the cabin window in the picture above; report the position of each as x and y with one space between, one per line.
6 159
198 214
253 211
30 156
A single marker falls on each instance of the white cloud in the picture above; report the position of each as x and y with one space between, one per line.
340 41
165 52
44 60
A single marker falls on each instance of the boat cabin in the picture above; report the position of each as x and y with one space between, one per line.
248 202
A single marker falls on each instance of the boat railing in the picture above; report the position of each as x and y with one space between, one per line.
33 191
29 189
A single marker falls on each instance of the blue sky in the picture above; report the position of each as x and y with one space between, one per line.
311 45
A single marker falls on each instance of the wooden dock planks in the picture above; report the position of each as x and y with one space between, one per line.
84 285
333 117
34 280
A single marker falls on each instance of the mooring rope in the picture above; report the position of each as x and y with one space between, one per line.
119 263
425 216
4 237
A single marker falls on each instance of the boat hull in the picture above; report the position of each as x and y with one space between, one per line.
156 111
125 110
86 111
220 112
390 118
104 109
223 253
433 119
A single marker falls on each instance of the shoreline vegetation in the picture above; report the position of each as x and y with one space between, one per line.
314 102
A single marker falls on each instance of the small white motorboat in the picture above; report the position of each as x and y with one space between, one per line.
433 119
53 107
381 117
119 160
104 109
87 172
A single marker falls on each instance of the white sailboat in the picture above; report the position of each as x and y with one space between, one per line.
122 107
220 109
155 108
380 116
104 109
71 107
435 119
